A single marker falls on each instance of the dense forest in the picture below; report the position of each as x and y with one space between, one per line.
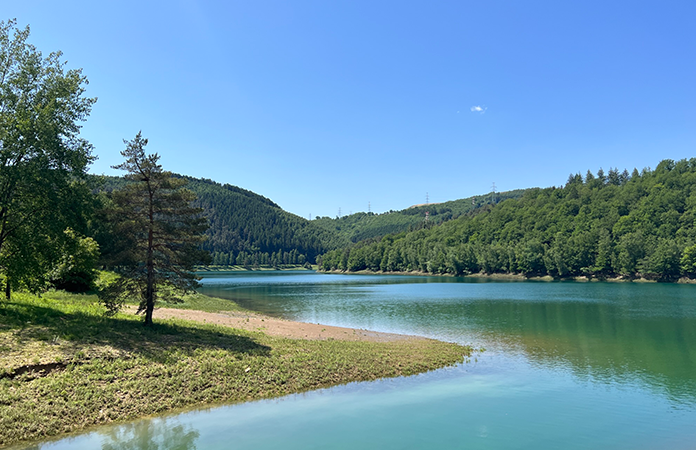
604 225
246 228
357 227
250 230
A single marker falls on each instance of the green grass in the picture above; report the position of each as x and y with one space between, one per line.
200 302
108 369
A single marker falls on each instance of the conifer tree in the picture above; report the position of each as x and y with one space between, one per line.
160 233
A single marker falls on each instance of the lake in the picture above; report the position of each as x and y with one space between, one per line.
567 365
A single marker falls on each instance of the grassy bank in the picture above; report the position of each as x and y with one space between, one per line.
64 366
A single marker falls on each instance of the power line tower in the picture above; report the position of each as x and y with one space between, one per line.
427 199
494 190
369 210
339 212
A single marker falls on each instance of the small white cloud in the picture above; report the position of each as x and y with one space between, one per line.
479 109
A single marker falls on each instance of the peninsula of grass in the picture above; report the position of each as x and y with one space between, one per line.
65 366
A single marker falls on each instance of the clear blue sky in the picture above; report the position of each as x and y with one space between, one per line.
326 104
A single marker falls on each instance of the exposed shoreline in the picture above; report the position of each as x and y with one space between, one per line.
261 268
513 276
272 326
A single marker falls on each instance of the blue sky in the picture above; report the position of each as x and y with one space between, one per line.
321 105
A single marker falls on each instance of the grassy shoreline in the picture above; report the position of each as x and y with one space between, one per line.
65 367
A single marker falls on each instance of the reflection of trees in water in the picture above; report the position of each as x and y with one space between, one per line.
156 434
600 341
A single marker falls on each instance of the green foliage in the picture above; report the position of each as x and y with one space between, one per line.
75 271
249 230
159 231
246 229
360 226
688 261
609 225
42 158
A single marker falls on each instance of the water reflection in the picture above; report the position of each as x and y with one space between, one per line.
599 342
146 434
601 332
156 434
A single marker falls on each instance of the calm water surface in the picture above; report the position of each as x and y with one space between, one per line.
566 366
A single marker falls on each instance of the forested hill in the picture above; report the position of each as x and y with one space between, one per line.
249 229
360 226
639 224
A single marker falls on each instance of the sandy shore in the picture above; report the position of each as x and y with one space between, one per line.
278 327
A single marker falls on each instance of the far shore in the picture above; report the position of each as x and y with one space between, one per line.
261 268
511 276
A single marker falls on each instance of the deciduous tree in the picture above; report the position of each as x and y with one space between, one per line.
42 157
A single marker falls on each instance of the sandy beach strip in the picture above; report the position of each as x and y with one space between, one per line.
279 327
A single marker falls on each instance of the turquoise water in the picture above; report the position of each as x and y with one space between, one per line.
567 366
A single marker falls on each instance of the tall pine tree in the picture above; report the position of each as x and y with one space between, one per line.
159 232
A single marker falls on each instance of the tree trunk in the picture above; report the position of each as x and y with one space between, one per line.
8 289
149 291
150 288
148 313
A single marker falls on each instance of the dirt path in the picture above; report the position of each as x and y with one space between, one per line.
279 327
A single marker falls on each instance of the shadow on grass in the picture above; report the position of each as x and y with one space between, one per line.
41 323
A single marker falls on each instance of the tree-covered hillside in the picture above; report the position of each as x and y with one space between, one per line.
360 226
639 224
249 229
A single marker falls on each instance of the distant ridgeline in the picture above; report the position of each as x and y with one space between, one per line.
360 226
639 224
251 230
